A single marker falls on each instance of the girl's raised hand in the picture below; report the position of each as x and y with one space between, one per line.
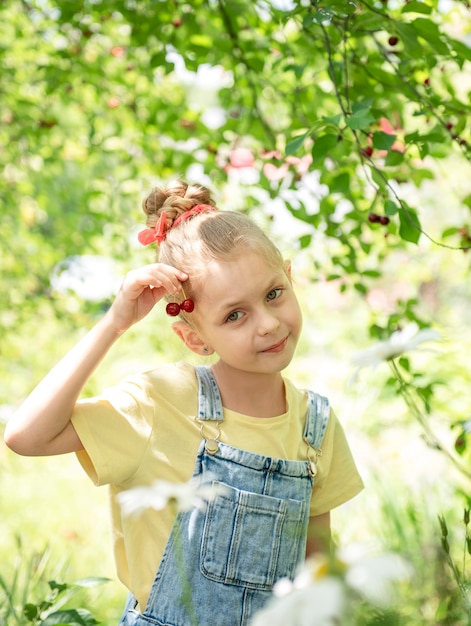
142 288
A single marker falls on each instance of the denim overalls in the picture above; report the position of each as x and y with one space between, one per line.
220 563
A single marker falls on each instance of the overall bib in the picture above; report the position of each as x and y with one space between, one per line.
220 563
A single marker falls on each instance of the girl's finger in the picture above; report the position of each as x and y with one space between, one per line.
158 276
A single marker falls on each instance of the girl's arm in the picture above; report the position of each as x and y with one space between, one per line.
318 535
42 425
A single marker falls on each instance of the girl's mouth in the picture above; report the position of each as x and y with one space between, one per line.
278 347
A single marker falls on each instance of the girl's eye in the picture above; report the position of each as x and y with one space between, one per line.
234 316
274 294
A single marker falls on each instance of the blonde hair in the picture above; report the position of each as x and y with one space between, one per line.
195 242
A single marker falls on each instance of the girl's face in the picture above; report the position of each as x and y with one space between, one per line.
246 311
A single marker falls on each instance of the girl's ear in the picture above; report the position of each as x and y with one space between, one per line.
191 338
288 269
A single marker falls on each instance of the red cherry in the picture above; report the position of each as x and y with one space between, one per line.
373 218
187 306
393 41
384 220
173 309
367 151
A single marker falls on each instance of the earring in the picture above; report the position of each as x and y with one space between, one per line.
205 351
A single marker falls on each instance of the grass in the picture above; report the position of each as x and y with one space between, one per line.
54 526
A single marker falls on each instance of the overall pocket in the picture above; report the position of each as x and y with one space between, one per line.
251 539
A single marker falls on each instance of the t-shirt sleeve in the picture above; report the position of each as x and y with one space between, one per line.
114 429
338 479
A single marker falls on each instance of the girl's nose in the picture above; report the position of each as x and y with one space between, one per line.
268 322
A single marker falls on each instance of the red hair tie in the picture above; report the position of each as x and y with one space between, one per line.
149 235
196 210
159 232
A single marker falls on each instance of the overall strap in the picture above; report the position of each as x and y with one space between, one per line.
209 398
316 420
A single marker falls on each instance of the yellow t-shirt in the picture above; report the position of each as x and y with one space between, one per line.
145 430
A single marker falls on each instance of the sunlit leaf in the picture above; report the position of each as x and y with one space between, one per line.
70 617
416 6
409 228
294 145
461 443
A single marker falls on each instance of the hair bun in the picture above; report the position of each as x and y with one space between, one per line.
175 200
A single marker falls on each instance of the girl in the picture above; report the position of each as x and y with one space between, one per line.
279 451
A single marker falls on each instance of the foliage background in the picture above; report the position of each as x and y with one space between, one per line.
310 116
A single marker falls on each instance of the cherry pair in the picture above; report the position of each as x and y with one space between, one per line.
173 308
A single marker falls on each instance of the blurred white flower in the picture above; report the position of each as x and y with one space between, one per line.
324 591
319 604
188 495
90 277
214 117
409 338
373 575
467 427
313 598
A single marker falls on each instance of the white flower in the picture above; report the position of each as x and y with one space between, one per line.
373 577
399 342
90 277
324 589
319 604
187 496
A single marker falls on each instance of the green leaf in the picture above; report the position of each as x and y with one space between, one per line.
305 241
362 105
431 33
467 201
425 27
91 581
322 146
449 232
390 208
360 119
360 287
30 611
393 158
408 35
334 119
409 224
70 617
462 50
417 7
460 443
404 362
294 145
201 41
341 183
308 19
383 141
321 15
59 587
